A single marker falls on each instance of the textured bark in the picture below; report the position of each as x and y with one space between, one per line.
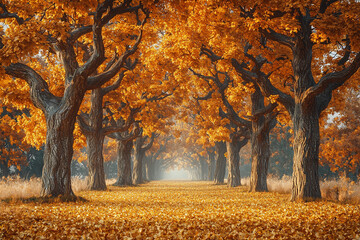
124 163
61 112
58 152
260 146
233 149
96 162
95 141
220 162
139 152
306 155
305 119
211 160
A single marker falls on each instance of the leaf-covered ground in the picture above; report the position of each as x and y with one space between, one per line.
179 210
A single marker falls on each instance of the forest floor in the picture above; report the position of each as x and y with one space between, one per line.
179 210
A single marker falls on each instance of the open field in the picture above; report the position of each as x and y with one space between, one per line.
179 210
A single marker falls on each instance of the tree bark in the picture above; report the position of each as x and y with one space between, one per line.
305 119
204 169
260 146
211 160
139 154
220 162
306 155
5 172
233 151
95 143
140 150
58 152
124 163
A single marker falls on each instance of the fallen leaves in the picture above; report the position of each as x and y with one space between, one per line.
180 210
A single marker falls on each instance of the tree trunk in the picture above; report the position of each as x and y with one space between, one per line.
306 155
260 146
151 170
211 171
139 153
203 169
145 169
124 163
5 172
220 162
305 119
233 151
95 143
58 152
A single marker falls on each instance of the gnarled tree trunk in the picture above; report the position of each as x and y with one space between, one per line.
260 145
233 151
305 119
124 163
58 152
220 162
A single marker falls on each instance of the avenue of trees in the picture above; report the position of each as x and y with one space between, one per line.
200 85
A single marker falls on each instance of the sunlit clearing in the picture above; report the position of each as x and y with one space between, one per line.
176 174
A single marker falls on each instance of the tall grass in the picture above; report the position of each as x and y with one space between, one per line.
15 187
342 190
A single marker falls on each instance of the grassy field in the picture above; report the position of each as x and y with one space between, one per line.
179 210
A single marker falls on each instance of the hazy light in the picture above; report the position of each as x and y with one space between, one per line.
176 174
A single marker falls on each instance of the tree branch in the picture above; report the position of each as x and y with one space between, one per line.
98 80
84 125
331 81
149 145
40 94
266 86
278 37
115 85
7 14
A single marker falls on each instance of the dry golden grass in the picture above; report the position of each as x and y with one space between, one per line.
180 210
20 188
